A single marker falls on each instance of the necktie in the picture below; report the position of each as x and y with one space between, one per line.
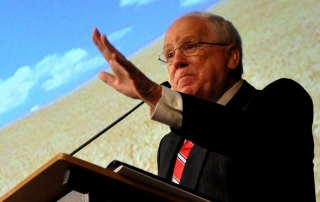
181 160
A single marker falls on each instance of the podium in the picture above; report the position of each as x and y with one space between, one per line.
65 174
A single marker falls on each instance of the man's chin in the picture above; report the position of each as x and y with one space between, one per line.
188 90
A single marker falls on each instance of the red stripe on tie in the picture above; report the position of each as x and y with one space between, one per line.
181 159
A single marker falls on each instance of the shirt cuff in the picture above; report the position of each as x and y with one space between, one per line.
169 109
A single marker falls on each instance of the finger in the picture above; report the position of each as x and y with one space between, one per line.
119 74
96 37
105 47
130 68
107 78
124 74
102 44
111 48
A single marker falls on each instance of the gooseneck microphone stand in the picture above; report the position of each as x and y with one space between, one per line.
166 83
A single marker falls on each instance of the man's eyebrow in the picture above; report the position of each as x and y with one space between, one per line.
168 46
184 40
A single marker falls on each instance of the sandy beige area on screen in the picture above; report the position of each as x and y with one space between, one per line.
280 39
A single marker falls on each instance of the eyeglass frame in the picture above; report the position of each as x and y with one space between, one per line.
197 42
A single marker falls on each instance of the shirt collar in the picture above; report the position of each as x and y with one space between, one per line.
226 97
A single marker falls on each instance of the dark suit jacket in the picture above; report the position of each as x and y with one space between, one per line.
259 147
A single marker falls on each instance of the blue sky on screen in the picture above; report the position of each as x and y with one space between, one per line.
46 49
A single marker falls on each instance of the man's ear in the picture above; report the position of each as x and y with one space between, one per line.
233 55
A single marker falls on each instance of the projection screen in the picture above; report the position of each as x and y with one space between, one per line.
52 101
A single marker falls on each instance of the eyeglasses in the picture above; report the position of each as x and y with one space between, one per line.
187 49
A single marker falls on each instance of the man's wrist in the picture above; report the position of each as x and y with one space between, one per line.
169 109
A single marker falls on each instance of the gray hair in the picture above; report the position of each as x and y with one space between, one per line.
225 32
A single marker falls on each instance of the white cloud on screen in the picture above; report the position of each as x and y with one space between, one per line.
14 90
34 108
115 36
186 3
51 72
57 70
124 3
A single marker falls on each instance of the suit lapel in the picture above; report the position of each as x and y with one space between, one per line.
193 167
172 143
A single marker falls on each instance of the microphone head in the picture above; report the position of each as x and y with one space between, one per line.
166 84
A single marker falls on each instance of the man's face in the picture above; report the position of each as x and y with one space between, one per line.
204 75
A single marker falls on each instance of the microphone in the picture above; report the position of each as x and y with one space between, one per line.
166 84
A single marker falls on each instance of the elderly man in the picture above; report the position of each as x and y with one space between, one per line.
228 140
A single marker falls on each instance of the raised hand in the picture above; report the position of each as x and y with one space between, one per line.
126 78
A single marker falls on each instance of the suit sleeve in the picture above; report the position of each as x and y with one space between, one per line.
275 125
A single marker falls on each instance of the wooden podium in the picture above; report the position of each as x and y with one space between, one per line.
65 173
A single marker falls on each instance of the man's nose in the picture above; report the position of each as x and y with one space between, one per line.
179 59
